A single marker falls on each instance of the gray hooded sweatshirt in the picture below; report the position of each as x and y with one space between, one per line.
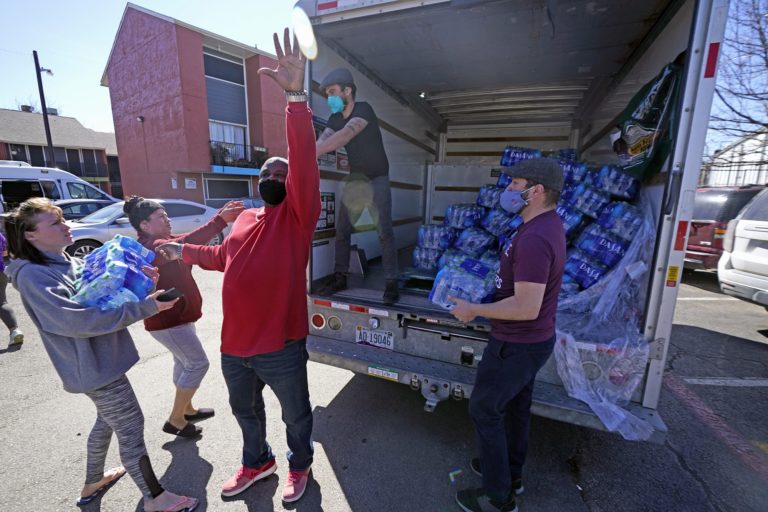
89 348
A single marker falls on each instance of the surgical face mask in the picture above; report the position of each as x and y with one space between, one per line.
336 104
272 192
512 200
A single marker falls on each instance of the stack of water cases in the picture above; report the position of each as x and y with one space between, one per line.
467 266
598 218
112 274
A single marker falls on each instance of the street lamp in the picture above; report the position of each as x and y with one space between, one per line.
38 71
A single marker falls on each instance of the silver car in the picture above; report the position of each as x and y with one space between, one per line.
743 267
93 230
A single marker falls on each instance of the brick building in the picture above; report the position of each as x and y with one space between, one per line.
193 119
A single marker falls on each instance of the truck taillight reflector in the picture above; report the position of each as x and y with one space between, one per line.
318 321
714 49
325 303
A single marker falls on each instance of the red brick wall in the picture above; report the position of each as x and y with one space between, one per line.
266 107
149 75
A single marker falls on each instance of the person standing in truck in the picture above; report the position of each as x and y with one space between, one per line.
522 334
353 124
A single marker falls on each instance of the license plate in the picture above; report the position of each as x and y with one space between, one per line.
381 339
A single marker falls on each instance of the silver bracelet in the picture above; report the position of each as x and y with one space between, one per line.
296 96
179 248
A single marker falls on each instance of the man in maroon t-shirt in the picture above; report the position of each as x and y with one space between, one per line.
522 334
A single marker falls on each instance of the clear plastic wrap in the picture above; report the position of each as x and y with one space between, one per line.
112 274
601 355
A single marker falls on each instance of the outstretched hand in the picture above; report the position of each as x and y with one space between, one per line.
230 211
290 64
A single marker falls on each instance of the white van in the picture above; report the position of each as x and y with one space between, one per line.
20 181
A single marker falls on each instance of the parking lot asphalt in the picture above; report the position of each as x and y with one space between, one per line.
378 450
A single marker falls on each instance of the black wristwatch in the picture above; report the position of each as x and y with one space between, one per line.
296 96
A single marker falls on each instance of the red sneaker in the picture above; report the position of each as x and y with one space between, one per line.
295 485
245 477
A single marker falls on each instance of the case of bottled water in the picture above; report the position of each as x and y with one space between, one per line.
613 180
426 258
472 281
503 181
621 219
498 222
489 196
436 236
462 216
602 246
573 172
588 200
583 270
572 219
513 154
112 274
451 257
474 242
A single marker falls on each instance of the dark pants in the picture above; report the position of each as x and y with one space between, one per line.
285 372
375 194
500 408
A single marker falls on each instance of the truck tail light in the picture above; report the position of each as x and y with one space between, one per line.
318 321
730 233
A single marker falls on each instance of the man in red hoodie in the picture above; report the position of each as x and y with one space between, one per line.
263 336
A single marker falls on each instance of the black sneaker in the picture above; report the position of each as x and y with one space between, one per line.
476 500
517 483
337 283
391 293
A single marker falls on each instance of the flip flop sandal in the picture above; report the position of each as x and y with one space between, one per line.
189 430
201 414
188 505
84 500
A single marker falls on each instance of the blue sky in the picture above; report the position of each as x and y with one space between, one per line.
73 39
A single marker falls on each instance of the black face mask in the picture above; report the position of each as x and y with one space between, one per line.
272 192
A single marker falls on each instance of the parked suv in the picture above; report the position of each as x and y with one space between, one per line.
743 267
713 208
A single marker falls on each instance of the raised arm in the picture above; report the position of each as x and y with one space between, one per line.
57 313
303 181
331 140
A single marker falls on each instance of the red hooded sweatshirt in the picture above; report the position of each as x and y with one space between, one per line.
264 258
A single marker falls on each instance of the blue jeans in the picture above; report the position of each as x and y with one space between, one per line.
285 372
500 408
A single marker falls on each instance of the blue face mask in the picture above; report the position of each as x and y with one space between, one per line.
512 200
336 104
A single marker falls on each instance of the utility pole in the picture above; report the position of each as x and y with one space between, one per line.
38 70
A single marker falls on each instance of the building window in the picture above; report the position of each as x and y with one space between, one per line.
18 152
89 163
36 156
73 159
227 143
218 191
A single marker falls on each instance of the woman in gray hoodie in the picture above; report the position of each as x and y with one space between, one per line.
90 349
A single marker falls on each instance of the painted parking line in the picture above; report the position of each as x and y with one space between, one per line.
744 449
726 382
729 299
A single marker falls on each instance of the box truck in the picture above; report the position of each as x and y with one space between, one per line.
453 83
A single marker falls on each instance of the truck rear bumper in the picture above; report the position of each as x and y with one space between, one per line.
439 381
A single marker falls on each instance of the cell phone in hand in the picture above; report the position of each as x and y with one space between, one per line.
169 295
